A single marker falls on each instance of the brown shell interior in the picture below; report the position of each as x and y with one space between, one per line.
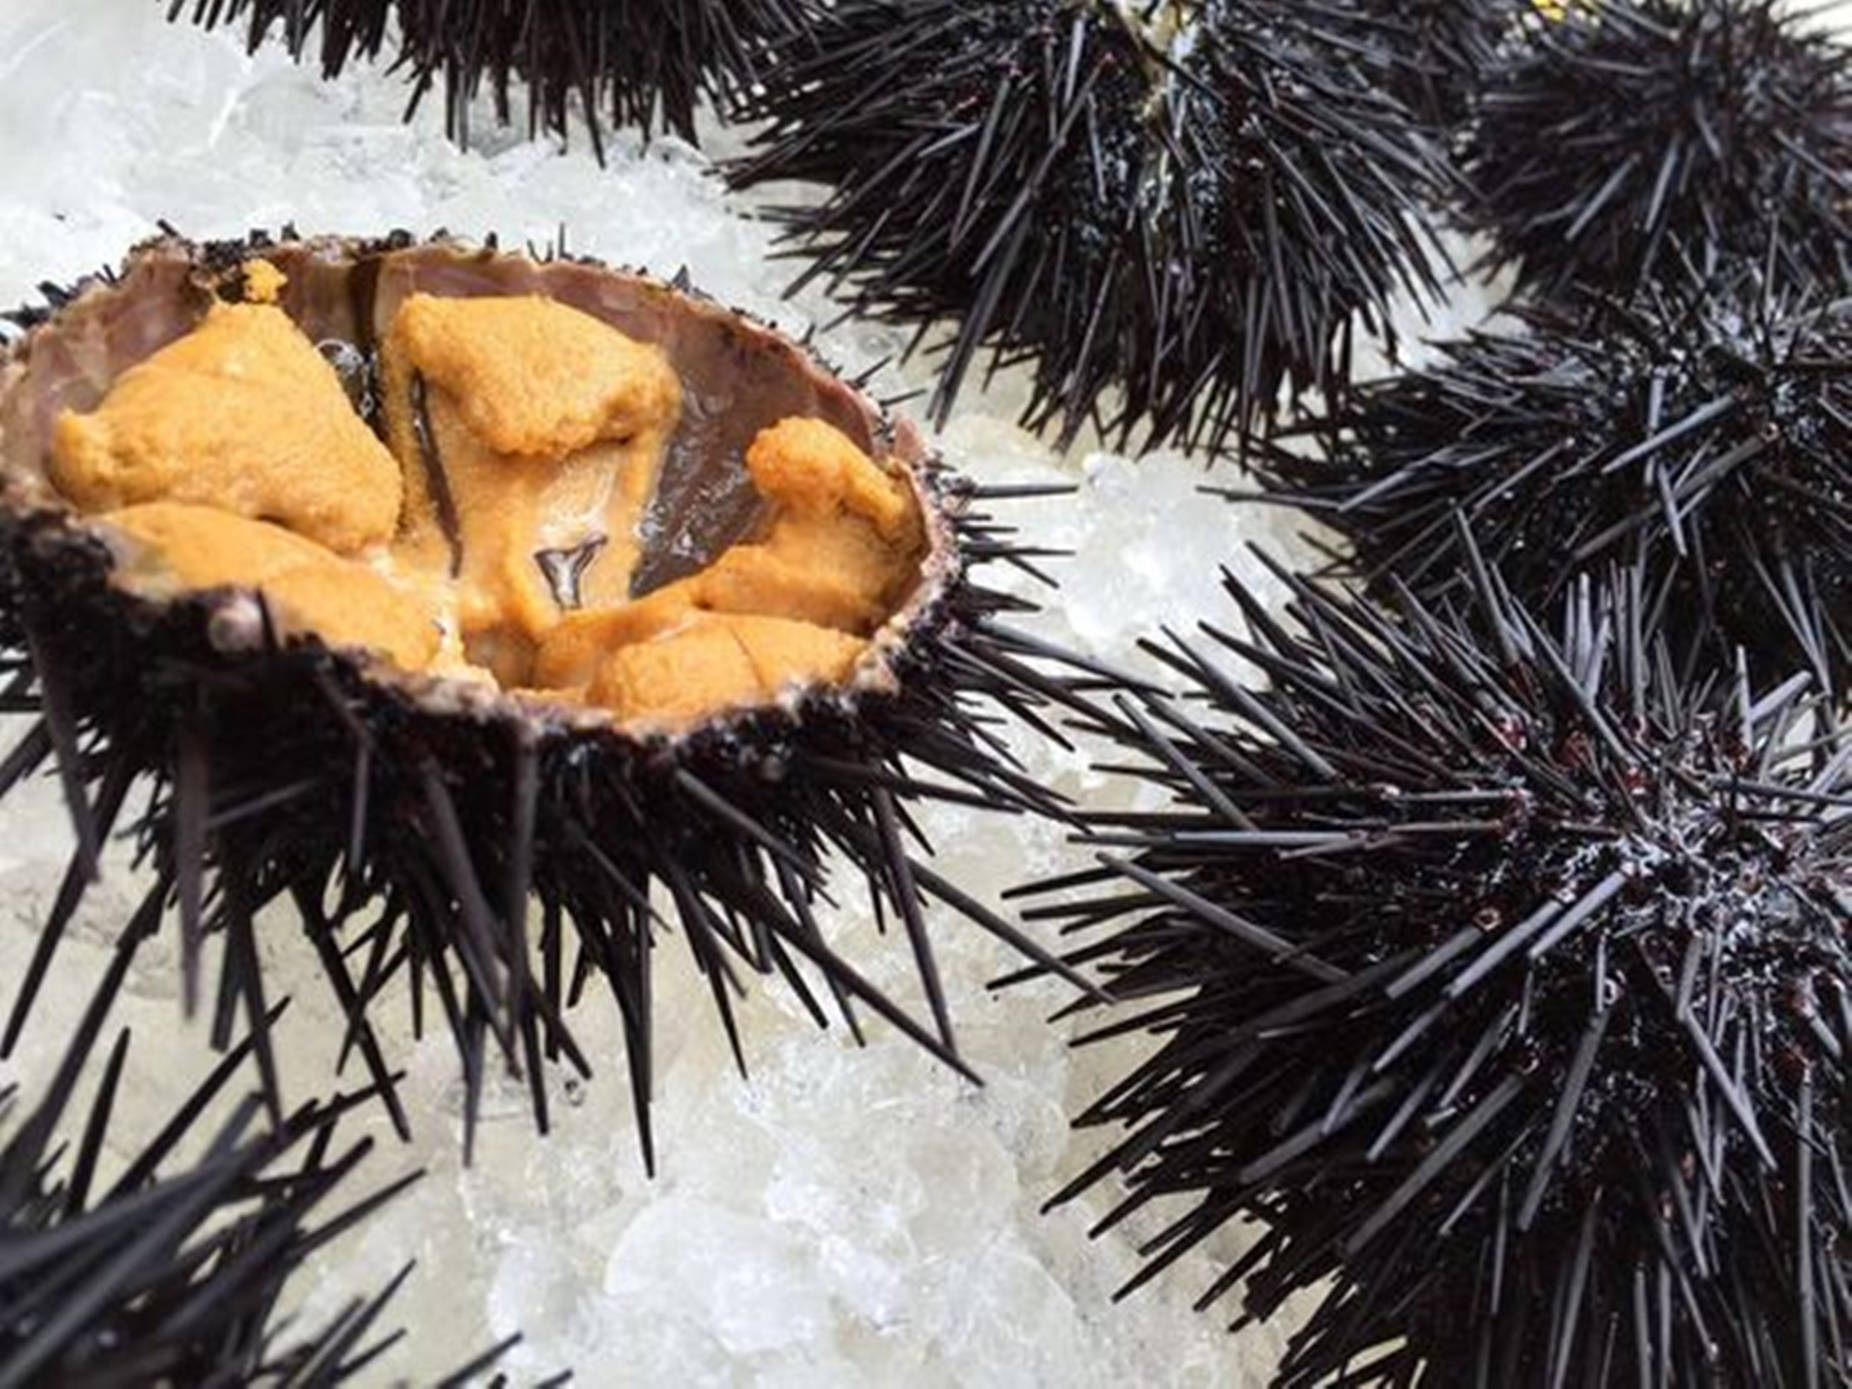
737 380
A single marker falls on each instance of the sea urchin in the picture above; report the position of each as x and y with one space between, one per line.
640 63
1628 136
1173 208
1501 974
171 1273
581 588
1706 431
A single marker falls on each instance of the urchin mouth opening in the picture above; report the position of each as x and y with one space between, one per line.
541 479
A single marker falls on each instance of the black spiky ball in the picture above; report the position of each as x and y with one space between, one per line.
164 1263
644 64
1706 432
1173 210
1625 137
1498 965
414 825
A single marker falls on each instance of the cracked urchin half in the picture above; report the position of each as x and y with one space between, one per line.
1706 432
1625 137
417 583
643 64
165 1263
1173 210
1499 971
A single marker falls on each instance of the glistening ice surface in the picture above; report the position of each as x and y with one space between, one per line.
845 1216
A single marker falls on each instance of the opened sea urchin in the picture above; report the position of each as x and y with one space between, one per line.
1172 209
1499 971
1705 431
420 581
1626 137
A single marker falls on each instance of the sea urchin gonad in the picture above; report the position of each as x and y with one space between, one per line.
420 581
1499 971
1173 208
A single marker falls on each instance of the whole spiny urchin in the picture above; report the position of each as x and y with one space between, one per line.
1628 136
166 1263
648 64
1499 970
1706 432
1171 209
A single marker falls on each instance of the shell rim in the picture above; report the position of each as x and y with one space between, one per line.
939 493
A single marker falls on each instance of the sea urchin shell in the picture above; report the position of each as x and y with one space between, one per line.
1501 975
409 815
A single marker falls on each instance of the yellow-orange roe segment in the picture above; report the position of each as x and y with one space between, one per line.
242 414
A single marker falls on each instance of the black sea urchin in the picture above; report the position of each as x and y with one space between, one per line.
1501 975
1175 206
172 1274
409 806
1629 135
1709 434
636 63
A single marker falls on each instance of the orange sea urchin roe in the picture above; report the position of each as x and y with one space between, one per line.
524 426
843 544
530 436
842 547
312 588
718 661
242 414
